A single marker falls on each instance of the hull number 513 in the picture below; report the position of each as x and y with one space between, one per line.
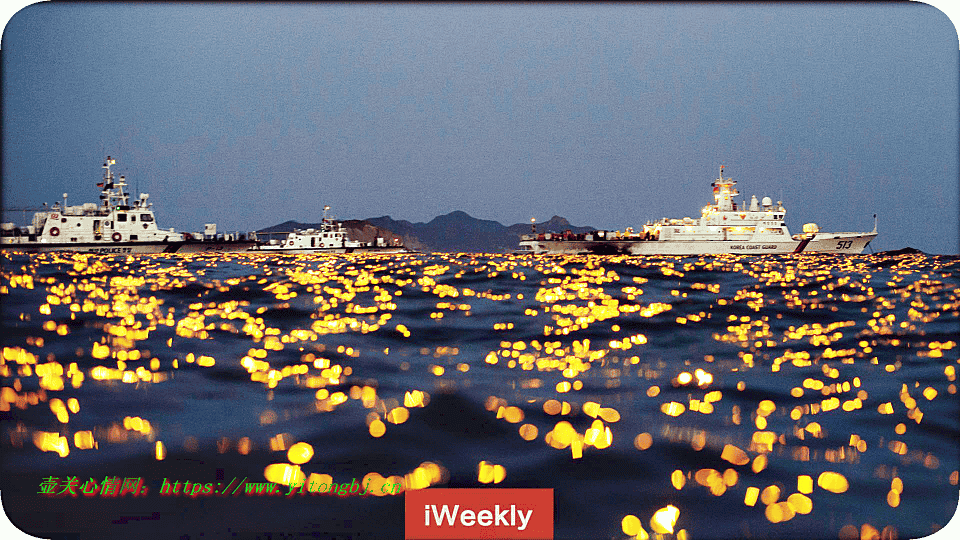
844 244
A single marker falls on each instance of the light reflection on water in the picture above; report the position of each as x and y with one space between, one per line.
788 396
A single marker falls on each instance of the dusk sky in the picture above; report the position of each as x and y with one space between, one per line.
608 115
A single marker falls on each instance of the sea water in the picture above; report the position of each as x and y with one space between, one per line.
795 396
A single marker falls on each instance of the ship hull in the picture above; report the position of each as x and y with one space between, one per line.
185 246
846 243
332 250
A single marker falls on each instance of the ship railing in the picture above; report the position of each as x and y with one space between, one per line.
272 235
233 236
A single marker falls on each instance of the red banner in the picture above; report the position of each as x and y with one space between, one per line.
483 513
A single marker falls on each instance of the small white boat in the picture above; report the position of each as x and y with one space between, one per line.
723 227
114 225
331 237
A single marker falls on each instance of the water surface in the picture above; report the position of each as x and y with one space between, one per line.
761 397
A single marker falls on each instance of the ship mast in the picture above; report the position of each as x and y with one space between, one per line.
111 192
723 192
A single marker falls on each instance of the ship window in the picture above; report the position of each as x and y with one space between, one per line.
121 217
146 217
313 242
133 237
133 217
63 220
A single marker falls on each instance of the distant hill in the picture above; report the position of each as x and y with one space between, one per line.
453 232
554 224
901 251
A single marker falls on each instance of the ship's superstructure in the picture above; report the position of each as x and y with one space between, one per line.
723 227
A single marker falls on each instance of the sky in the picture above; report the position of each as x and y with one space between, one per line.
608 115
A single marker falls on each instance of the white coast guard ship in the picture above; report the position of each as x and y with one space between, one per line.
115 225
723 227
331 237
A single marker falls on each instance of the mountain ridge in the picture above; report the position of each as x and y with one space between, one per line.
455 232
